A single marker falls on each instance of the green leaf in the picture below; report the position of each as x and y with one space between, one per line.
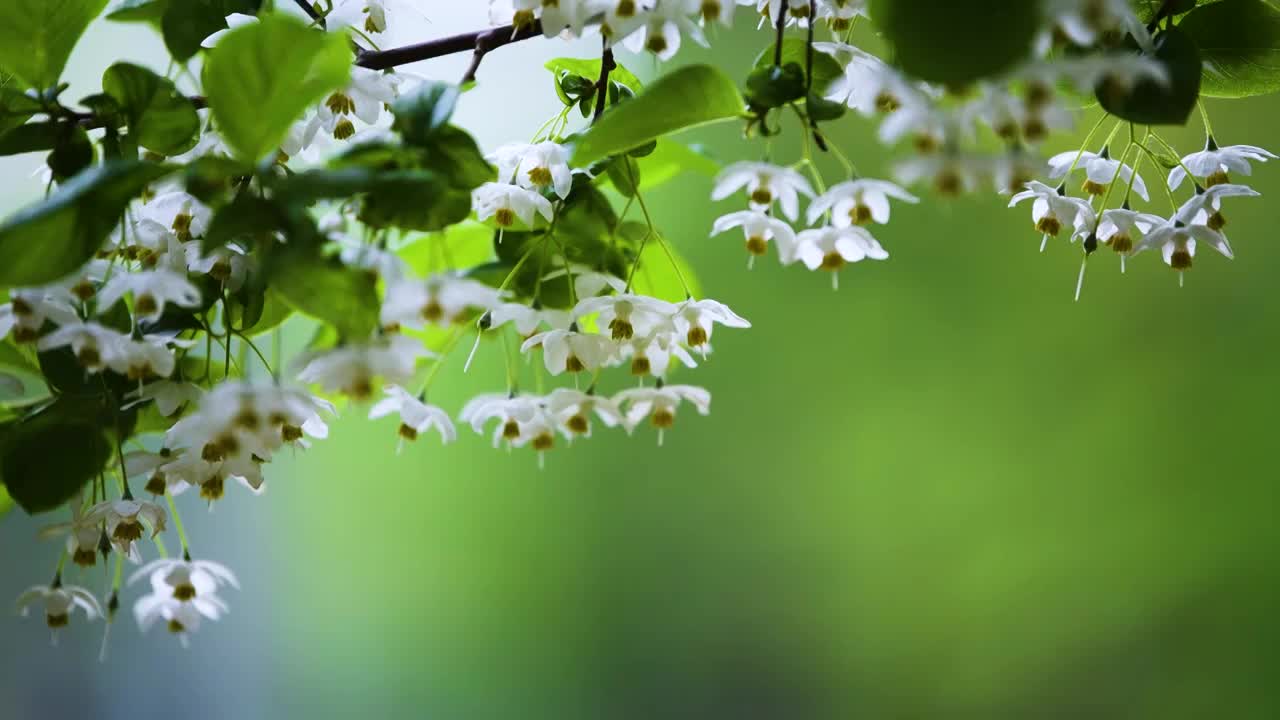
464 245
1146 9
625 175
72 153
50 239
686 97
6 502
1239 43
139 11
47 458
263 76
590 70
454 154
31 137
326 289
16 107
160 118
1153 103
420 115
821 109
773 86
795 50
37 36
957 43
186 23
669 159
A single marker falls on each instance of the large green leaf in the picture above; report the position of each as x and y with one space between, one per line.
16 107
37 36
1153 103
420 114
160 118
1239 43
151 11
46 459
48 240
686 97
795 50
262 77
341 296
186 23
957 43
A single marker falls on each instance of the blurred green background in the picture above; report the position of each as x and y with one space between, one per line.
945 491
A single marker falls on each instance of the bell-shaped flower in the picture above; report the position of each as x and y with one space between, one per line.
535 167
858 202
1213 164
759 228
571 350
764 183
507 203
1100 171
659 404
416 417
572 409
59 602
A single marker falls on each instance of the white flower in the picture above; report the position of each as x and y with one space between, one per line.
572 409
1205 207
695 319
440 300
1100 171
1086 21
526 319
505 203
570 350
169 395
929 124
1213 163
82 535
228 265
374 16
830 248
183 579
661 30
621 18
192 469
363 97
92 343
59 601
565 16
764 184
625 314
416 417
234 20
124 520
659 404
28 308
710 11
872 87
151 289
858 202
759 228
351 369
1051 210
1117 72
951 173
1116 227
839 14
651 354
141 358
1012 170
534 167
180 617
186 216
1177 242
513 413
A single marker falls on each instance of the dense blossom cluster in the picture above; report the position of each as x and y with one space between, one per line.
212 424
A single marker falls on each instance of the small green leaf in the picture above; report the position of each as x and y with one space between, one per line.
16 107
1239 43
1153 103
186 23
772 86
795 50
958 43
821 109
47 458
72 153
420 115
32 137
589 70
624 173
37 36
326 289
160 118
263 76
150 11
686 97
50 239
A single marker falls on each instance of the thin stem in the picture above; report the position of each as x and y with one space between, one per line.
1174 151
1204 118
177 525
607 64
479 41
310 10
244 340
781 26
644 209
1084 145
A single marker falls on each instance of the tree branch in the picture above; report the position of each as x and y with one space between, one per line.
602 85
480 42
310 10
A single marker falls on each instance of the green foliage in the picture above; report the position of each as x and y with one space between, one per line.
37 36
262 77
773 86
6 502
957 43
589 70
184 23
72 152
160 118
16 107
31 137
670 158
687 97
1153 103
150 11
796 50
658 275
421 115
46 458
1239 42
325 289
50 239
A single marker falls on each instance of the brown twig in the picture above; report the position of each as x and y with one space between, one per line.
607 64
480 42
